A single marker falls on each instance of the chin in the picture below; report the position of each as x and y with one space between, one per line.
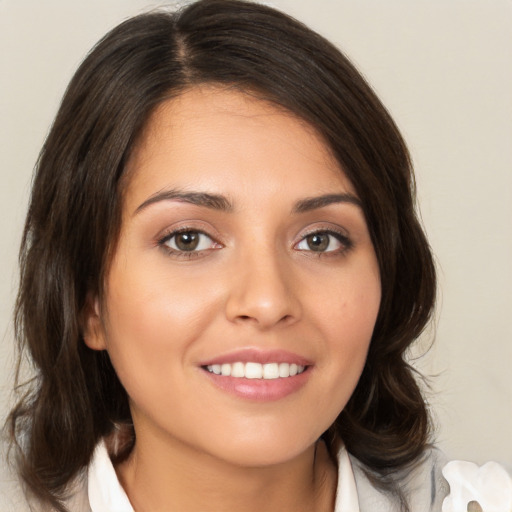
265 450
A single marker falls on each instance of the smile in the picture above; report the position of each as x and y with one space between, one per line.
252 370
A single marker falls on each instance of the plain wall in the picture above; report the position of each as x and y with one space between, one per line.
444 70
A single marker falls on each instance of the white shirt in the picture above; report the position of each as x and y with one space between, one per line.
107 495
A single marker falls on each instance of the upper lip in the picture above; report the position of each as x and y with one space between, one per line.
254 355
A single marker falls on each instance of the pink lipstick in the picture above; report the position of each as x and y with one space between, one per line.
258 375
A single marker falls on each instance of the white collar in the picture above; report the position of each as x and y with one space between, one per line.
346 493
104 490
106 493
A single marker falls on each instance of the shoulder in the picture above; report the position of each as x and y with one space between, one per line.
422 484
12 497
78 500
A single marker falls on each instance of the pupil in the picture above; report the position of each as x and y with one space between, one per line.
187 241
318 242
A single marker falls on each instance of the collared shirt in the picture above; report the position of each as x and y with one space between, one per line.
106 493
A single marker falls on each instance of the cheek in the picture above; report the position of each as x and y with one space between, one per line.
151 323
358 317
349 306
150 305
346 316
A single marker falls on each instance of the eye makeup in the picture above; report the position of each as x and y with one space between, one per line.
188 242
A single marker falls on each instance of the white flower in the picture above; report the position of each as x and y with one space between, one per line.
490 486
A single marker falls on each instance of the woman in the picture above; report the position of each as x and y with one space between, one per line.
221 271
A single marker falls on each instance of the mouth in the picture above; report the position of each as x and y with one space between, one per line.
258 375
254 370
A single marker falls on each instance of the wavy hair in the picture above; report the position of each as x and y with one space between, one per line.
74 219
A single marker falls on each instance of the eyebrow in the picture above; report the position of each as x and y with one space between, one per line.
213 201
221 203
314 203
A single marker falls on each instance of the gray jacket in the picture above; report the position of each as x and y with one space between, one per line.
424 487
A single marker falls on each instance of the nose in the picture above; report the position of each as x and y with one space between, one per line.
263 291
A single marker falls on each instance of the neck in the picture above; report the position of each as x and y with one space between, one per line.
157 477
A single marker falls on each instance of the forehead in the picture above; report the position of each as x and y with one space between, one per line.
219 138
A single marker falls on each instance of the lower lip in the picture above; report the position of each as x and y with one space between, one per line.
260 390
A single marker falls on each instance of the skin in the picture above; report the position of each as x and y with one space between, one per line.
255 281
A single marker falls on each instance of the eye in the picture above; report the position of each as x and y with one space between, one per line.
189 240
324 241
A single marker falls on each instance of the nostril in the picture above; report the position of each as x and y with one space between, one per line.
284 319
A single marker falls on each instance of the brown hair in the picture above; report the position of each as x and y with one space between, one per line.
74 218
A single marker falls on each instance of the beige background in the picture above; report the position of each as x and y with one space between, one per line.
443 68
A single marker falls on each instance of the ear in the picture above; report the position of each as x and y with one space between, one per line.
92 326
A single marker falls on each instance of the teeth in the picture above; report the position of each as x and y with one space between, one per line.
225 369
238 370
253 371
271 371
256 370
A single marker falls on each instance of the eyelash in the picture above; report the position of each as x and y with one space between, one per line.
162 242
342 238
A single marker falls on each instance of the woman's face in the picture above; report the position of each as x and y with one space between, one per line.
243 293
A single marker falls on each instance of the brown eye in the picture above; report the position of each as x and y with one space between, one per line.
318 242
324 241
188 241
